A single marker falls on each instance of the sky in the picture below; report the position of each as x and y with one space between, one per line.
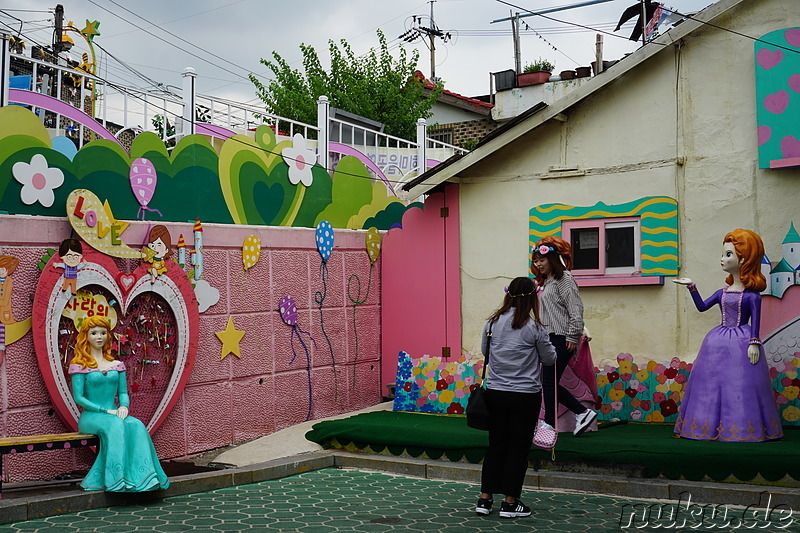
223 40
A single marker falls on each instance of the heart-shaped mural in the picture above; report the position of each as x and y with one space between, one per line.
790 147
777 102
792 36
794 82
769 58
172 321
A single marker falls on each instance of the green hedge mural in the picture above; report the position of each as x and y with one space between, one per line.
250 181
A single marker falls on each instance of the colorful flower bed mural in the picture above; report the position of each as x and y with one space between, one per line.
250 181
653 392
430 384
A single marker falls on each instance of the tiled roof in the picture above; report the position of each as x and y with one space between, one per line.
428 84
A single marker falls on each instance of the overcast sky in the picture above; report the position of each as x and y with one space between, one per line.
230 36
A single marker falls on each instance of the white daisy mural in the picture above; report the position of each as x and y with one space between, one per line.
300 160
38 180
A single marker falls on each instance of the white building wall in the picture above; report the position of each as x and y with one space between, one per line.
688 133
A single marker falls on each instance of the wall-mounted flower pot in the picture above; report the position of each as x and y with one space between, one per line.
532 78
583 72
568 74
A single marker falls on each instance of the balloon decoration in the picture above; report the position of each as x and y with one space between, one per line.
325 240
288 311
373 243
144 179
251 251
324 237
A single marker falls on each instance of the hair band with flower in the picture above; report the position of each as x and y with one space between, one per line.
544 249
519 295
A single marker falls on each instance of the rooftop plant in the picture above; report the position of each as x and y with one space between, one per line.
539 64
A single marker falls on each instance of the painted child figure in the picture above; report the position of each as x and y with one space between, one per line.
729 395
160 248
7 266
71 253
127 460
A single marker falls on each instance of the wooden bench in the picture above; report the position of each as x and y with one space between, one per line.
35 443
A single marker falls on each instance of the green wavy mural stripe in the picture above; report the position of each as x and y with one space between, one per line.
352 189
658 220
315 200
390 217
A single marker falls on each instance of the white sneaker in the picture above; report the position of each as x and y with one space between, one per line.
583 420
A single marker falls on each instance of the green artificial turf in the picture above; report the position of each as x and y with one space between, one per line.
649 446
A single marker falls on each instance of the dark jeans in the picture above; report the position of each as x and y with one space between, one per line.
565 397
513 421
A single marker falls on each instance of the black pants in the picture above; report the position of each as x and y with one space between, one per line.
565 397
513 421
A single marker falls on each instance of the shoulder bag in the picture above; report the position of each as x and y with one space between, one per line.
477 410
546 437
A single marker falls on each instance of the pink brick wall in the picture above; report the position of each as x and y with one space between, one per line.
226 401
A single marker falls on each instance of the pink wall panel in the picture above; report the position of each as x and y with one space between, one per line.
420 302
225 401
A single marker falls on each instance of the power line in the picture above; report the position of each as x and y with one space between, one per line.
165 41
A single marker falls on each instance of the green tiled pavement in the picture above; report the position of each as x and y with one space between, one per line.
332 501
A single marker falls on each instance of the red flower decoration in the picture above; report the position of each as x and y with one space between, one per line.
668 407
659 397
671 372
441 385
625 377
407 387
613 376
473 387
455 409
631 392
644 405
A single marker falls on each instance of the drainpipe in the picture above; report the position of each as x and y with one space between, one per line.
323 123
422 145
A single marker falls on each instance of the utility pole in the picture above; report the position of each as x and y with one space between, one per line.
517 51
644 23
59 30
428 35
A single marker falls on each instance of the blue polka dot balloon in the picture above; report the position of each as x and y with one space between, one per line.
325 239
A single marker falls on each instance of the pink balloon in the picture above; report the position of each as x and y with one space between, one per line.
288 309
143 180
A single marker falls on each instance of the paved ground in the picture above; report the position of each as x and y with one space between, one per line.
333 500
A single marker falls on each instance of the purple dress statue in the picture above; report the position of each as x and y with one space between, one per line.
727 398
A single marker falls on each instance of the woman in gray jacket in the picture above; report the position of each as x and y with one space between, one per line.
519 343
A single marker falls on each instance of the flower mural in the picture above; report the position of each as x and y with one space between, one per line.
300 160
430 384
38 180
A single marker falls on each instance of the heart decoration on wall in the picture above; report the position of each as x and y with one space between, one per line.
173 287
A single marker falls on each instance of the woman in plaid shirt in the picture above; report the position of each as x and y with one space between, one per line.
562 315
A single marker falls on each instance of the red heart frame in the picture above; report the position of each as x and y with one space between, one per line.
99 269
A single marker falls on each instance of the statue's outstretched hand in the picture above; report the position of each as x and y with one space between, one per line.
683 281
753 353
122 412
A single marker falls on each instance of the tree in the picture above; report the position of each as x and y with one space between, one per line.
373 85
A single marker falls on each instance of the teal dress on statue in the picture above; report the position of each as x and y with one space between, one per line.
127 460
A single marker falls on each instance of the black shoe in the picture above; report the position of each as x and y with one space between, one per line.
511 510
484 506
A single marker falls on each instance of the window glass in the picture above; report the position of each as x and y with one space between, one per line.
585 248
620 247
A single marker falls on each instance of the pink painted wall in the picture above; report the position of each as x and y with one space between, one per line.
226 401
421 283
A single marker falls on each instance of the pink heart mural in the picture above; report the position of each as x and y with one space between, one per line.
790 147
769 58
172 289
792 37
794 82
777 102
764 134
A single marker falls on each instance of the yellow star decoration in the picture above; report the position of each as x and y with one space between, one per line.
230 338
121 223
90 30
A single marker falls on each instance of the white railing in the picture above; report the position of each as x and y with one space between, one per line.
126 111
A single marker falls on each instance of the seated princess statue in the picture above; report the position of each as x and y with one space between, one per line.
127 460
729 393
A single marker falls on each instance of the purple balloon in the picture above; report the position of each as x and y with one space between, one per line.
143 179
288 310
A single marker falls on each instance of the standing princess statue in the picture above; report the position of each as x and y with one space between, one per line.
729 394
127 460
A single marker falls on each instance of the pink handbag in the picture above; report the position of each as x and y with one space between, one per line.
546 437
